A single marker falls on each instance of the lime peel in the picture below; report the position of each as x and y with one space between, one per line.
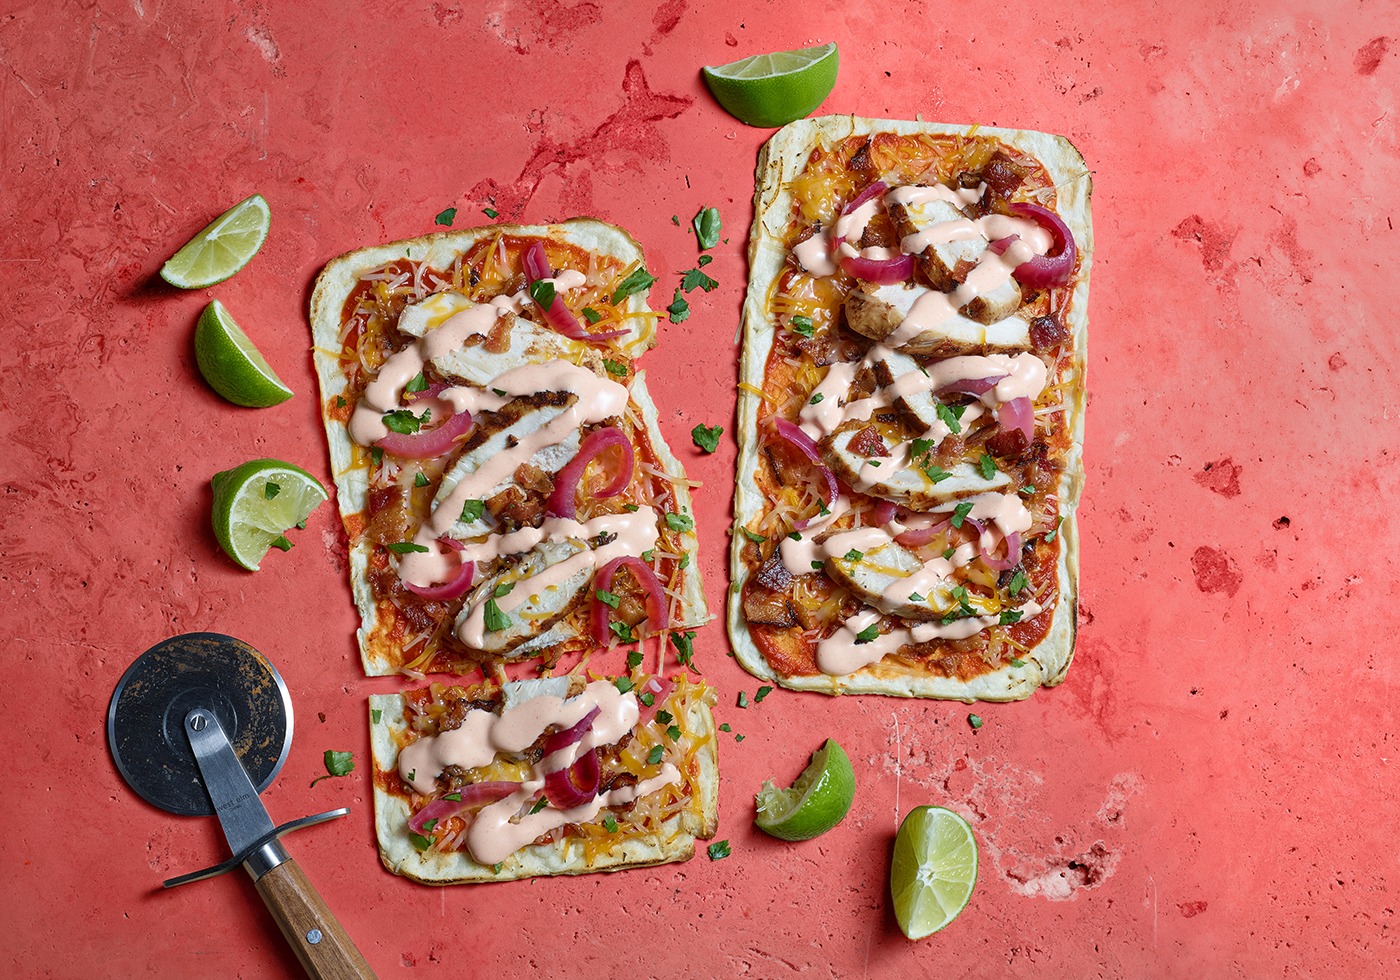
223 247
817 801
774 89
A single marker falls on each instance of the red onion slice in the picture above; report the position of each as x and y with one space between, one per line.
575 785
428 443
563 502
570 736
1018 414
660 689
882 272
915 537
472 795
872 190
802 442
557 314
1013 554
883 513
452 588
646 578
1056 266
970 386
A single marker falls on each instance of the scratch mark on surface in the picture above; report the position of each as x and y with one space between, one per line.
262 39
1153 882
898 768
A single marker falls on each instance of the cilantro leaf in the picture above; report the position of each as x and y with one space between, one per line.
634 657
540 804
1017 583
614 368
337 764
623 632
987 466
753 536
706 438
446 217
853 555
491 212
419 841
655 755
614 601
975 721
868 634
685 646
638 281
503 590
803 325
271 490
542 292
623 685
610 824
472 510
960 513
417 383
591 315
375 714
405 547
719 850
679 309
743 701
816 399
680 522
949 415
404 422
1009 616
762 693
495 618
693 279
420 479
707 227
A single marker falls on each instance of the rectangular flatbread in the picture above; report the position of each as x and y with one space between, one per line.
491 784
496 453
911 411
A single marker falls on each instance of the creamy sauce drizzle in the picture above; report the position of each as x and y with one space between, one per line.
498 830
842 653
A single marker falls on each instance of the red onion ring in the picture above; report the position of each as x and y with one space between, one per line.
883 272
570 736
660 689
452 588
574 785
473 794
646 578
970 386
1054 267
557 314
884 512
803 443
1013 554
1018 414
917 537
563 502
874 189
428 443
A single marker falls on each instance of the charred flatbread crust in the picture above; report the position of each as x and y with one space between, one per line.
675 841
782 159
382 655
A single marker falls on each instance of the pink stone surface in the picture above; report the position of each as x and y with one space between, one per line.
1210 793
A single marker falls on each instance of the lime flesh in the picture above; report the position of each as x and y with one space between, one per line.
774 89
257 503
231 364
933 870
221 249
816 802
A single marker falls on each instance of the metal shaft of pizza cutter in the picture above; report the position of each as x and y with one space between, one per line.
322 946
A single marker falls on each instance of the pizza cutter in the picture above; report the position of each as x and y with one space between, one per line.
200 724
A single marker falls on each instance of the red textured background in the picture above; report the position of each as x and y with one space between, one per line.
1210 793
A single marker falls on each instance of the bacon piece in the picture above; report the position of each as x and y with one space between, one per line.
769 608
868 442
1047 333
774 574
1003 175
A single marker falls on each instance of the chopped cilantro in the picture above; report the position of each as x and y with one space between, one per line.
417 383
987 466
868 634
706 438
419 841
819 566
614 368
499 391
738 738
610 824
495 618
404 422
634 657
949 553
420 479
915 597
646 555
679 309
1009 616
503 590
1017 662
680 522
674 733
631 508
685 561
816 399
375 714
753 536
405 547
949 415
454 797
705 260
491 212
803 325
472 510
719 850
975 721
676 220
762 693
446 217
1017 583
743 699
430 824
271 490
664 717
960 513
920 447
647 698
693 279
610 599
725 727
1054 530
340 401
281 543
542 292
1027 490
707 226
936 473
638 281
337 764
539 804
591 315
795 535
853 555
685 646
623 685
655 755
623 632
377 455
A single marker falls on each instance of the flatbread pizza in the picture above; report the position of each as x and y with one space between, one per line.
547 777
911 410
506 491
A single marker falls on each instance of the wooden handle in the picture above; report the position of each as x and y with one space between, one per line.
324 949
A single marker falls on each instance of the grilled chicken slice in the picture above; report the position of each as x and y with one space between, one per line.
956 249
877 311
919 406
531 614
498 431
873 574
898 480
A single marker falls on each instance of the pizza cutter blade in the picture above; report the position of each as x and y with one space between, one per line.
200 724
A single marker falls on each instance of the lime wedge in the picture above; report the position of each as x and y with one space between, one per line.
231 364
933 870
815 803
257 503
222 249
774 89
